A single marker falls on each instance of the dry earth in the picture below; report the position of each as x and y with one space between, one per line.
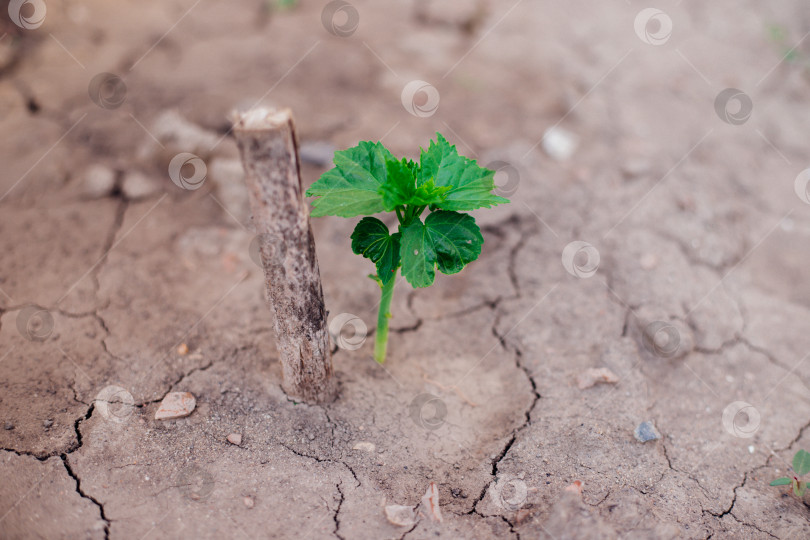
690 208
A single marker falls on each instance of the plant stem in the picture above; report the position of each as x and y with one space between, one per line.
383 316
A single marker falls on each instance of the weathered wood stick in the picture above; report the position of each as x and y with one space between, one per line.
269 151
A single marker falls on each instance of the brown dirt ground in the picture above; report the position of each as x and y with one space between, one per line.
695 220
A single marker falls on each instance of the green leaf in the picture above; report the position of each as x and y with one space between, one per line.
802 486
371 240
470 185
418 255
446 240
801 462
456 238
782 481
400 188
352 187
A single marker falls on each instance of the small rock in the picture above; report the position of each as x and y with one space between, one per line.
248 502
401 516
576 487
47 423
99 181
430 503
318 153
646 432
457 493
235 438
182 350
137 185
593 376
8 426
559 144
364 446
178 134
176 405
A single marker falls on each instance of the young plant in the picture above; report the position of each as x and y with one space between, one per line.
801 466
368 179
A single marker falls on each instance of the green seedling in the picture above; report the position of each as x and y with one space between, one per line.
368 179
801 466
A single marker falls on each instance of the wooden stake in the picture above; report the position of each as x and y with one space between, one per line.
269 151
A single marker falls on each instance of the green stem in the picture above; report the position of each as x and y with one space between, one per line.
383 316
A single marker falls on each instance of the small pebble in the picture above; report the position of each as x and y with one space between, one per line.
593 376
401 516
99 181
9 426
176 405
576 487
646 432
47 423
364 446
430 503
559 144
750 449
248 502
137 185
235 438
182 350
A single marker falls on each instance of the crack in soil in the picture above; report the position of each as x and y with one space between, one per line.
84 495
336 517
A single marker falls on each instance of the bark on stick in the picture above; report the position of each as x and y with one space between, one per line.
269 151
